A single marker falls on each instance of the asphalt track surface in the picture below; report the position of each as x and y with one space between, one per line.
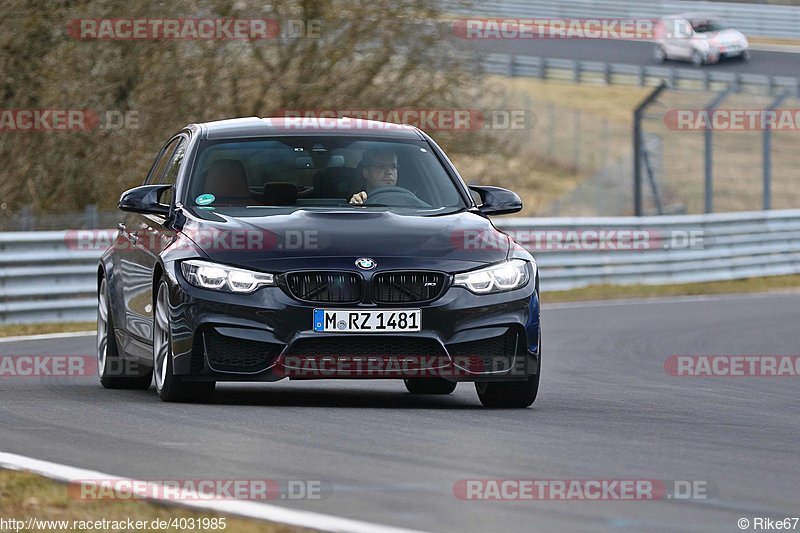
607 410
771 63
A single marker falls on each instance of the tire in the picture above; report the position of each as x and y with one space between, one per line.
171 388
660 54
114 371
697 59
430 386
509 393
746 55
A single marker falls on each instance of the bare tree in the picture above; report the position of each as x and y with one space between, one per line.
346 54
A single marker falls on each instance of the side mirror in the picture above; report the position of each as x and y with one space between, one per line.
496 200
144 199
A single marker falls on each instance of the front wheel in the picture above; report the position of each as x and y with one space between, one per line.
430 386
698 59
508 393
660 54
171 388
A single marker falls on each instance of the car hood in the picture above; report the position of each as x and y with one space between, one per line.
307 239
725 37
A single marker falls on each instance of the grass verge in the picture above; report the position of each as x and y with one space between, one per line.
24 495
774 40
12 330
618 292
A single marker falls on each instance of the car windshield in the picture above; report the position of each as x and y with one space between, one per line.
709 25
321 172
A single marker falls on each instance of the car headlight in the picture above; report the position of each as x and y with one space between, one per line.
213 276
501 277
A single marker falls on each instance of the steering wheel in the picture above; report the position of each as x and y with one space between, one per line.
394 196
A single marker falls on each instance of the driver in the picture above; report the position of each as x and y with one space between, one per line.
379 168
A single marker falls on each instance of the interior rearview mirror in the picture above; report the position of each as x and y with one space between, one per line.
303 161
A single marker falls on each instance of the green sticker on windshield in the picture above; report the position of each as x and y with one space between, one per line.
205 199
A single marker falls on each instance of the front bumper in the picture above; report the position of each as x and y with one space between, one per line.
268 336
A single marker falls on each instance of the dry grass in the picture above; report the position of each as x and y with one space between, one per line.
546 164
614 102
24 495
737 162
614 292
538 181
13 330
773 40
738 155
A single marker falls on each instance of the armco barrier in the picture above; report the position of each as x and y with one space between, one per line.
46 277
755 19
600 73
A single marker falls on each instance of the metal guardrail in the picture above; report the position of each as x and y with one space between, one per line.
602 73
47 277
752 19
669 249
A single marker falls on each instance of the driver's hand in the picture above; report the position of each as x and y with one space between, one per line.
359 198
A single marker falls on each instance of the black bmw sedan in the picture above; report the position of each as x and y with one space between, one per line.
259 249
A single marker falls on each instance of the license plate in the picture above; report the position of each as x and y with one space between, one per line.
372 321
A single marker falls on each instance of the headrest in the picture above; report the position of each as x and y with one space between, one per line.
227 178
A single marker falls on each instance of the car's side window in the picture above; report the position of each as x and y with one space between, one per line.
163 158
683 28
171 174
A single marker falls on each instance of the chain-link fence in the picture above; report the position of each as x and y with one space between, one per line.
678 131
587 157
697 159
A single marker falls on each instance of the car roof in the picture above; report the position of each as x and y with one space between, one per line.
290 126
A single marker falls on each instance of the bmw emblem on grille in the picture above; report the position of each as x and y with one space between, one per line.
365 263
